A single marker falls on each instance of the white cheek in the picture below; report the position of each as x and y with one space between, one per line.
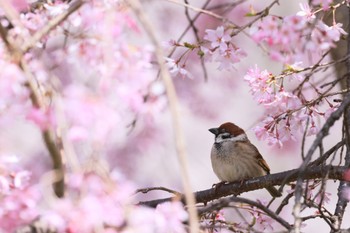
241 137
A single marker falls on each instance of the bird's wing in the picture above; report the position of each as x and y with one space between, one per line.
261 160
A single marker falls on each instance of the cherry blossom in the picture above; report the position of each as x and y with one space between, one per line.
229 57
221 50
261 84
306 12
286 38
42 119
176 69
171 215
218 38
286 116
19 198
19 5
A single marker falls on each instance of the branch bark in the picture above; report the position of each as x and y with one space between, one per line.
236 188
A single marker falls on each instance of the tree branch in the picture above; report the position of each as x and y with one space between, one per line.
236 188
319 138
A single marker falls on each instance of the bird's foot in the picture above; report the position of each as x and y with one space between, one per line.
218 185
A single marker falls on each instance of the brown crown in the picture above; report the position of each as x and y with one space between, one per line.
231 128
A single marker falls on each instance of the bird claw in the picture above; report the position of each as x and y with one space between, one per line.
218 185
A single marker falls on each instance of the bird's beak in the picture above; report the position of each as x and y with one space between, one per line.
214 131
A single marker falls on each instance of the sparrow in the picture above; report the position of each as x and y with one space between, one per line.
235 158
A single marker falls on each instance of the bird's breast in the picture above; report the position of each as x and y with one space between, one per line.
231 163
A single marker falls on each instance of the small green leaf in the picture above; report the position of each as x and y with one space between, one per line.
200 53
190 46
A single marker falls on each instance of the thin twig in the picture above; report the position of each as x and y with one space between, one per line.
188 28
195 32
326 155
284 202
319 138
146 190
219 17
47 134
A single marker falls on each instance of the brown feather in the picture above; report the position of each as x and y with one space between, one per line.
263 163
231 128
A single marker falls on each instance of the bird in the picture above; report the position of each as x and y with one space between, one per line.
235 158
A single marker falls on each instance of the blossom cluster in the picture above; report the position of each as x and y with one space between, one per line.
18 197
88 64
222 50
286 114
92 196
217 46
93 203
91 81
290 38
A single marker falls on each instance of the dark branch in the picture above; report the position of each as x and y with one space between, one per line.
146 190
236 188
326 155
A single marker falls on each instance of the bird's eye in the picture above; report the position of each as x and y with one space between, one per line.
225 135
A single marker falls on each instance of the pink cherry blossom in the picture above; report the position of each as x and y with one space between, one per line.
19 199
312 130
176 69
19 5
260 84
42 119
218 38
306 12
286 38
229 57
169 217
220 216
